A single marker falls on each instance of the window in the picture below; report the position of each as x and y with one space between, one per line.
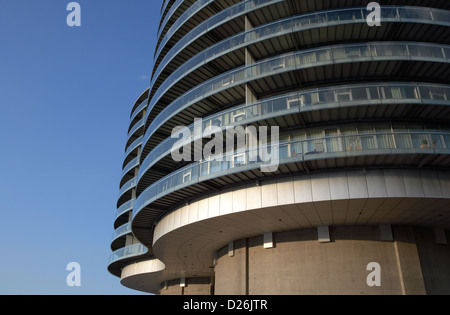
315 99
318 145
309 58
438 94
238 115
295 102
239 160
228 80
205 168
187 176
344 95
353 52
333 140
396 93
278 64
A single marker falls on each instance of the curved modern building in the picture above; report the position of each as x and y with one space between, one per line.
360 200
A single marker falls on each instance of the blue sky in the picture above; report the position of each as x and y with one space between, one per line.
66 96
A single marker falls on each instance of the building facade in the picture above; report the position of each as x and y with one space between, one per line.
359 202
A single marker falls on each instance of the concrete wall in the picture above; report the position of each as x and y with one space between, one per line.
435 261
300 264
192 286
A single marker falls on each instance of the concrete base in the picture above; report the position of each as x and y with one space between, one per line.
191 286
410 262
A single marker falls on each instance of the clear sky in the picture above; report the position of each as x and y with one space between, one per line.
66 96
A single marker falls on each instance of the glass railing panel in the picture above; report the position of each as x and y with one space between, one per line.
138 109
435 93
133 146
127 206
136 126
128 252
414 13
121 231
133 163
127 186
439 16
445 138
427 51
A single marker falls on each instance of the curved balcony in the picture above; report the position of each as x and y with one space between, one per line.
142 99
325 98
239 9
164 7
290 25
127 187
196 7
330 55
169 14
121 256
136 144
164 20
130 166
138 109
381 143
123 209
352 103
126 175
138 125
121 231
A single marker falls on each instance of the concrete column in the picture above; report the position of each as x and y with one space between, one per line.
324 234
233 278
408 261
249 60
187 286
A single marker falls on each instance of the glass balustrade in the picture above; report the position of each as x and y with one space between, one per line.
220 18
191 11
169 14
301 60
136 126
295 24
312 144
133 163
127 206
138 109
128 252
308 100
127 186
133 146
121 231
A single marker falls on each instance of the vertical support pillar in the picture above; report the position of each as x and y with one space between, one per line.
323 233
408 261
249 60
440 237
268 241
231 249
386 233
